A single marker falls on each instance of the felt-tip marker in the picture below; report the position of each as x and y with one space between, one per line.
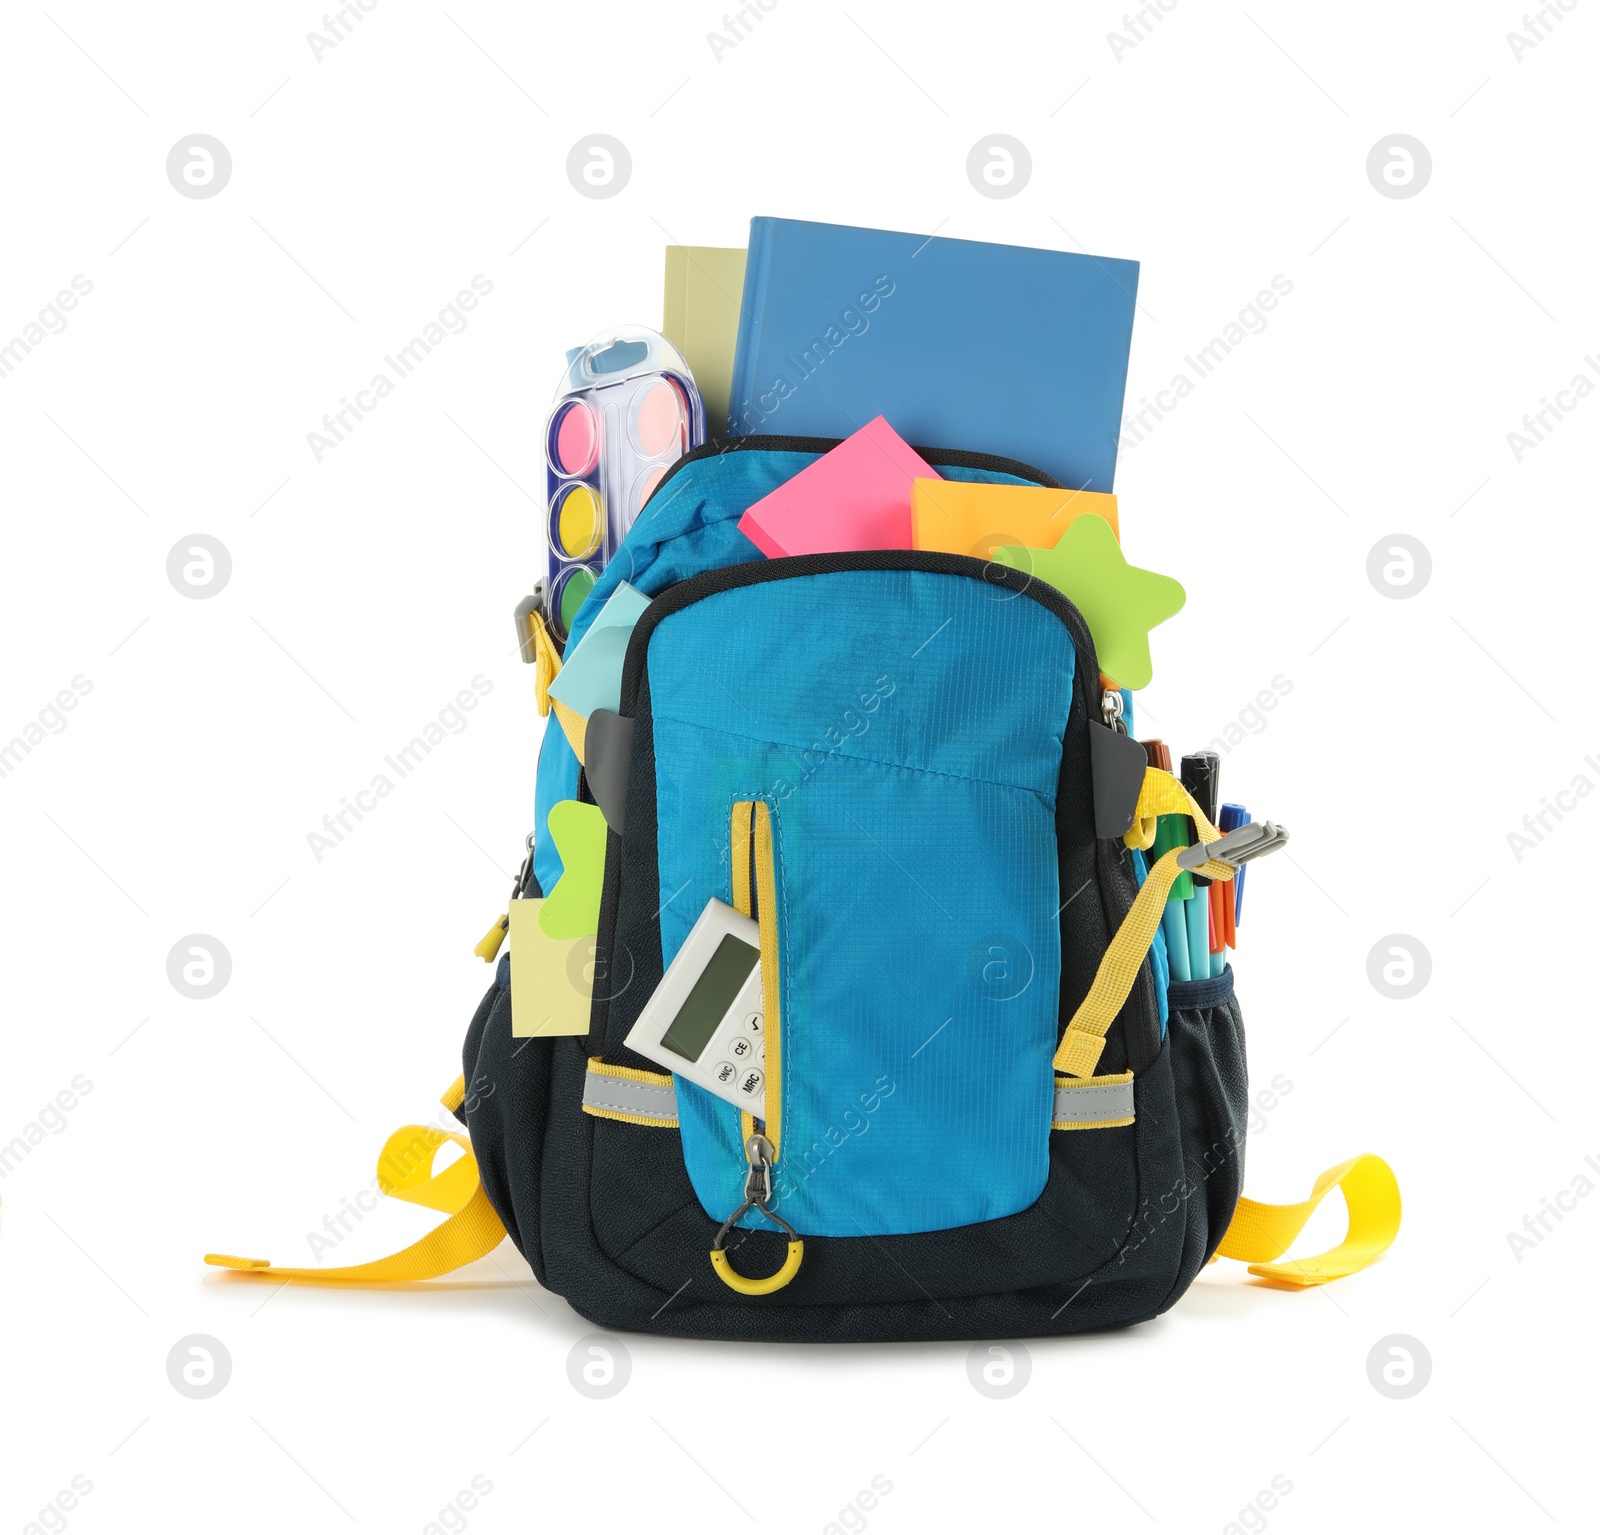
1172 831
1232 817
1199 774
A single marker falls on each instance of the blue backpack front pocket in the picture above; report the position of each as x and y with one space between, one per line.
904 728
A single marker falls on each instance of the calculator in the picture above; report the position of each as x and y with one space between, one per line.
704 1021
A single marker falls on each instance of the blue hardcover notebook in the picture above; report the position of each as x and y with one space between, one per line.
992 348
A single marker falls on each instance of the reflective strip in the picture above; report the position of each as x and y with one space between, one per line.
638 1097
1097 1103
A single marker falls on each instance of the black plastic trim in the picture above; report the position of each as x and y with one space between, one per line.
951 458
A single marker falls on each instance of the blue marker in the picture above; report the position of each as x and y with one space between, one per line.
1231 819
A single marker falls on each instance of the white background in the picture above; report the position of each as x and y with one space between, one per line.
368 589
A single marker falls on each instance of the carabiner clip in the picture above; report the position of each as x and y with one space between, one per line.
757 1196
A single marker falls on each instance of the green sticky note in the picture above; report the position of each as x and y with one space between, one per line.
572 909
1120 602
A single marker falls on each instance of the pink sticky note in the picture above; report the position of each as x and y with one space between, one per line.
856 497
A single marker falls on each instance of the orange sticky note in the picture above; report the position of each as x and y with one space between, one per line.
962 518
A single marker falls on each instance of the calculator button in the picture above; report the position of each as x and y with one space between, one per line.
740 1046
725 1072
751 1083
753 1023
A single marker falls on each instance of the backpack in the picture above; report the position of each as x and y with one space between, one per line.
986 1111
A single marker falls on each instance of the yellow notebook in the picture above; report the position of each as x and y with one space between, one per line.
963 518
552 979
700 316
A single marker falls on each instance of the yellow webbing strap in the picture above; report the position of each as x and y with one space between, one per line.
576 726
1084 1038
1260 1234
547 667
547 664
405 1171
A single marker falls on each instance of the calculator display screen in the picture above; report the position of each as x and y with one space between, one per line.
708 1003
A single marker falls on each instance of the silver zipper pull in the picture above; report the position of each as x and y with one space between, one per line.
1111 711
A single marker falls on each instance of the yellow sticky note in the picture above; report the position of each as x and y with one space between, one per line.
552 979
963 518
700 316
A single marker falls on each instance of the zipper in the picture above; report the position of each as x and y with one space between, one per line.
951 458
754 891
753 874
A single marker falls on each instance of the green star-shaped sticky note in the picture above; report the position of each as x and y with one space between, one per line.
572 909
1120 602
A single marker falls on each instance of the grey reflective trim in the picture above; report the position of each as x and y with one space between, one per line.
623 1095
1094 1105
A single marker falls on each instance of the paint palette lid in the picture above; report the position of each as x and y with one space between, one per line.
628 351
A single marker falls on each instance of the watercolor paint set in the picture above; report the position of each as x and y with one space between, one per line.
626 411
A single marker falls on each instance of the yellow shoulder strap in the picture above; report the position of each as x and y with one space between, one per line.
405 1170
1260 1234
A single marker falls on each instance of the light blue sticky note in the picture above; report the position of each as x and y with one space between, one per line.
591 674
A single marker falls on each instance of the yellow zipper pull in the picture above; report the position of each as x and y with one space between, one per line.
757 1196
488 947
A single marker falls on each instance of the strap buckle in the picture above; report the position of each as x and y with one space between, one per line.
1255 839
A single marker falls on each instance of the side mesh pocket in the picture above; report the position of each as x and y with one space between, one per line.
1210 1081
